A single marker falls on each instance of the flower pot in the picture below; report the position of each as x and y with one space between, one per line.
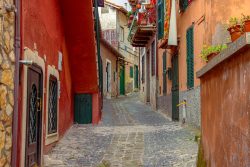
138 6
235 32
211 56
247 26
149 6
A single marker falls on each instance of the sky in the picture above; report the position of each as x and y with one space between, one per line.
119 2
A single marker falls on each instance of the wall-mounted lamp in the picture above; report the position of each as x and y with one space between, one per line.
26 62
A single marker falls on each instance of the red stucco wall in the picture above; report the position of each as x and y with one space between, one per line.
50 26
225 106
43 27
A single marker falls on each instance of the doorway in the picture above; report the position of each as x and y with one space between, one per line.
83 109
122 80
108 80
148 77
136 77
164 73
175 88
34 117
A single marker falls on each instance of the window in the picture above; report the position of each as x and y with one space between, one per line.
52 110
161 19
143 69
184 4
190 57
121 34
104 10
131 72
153 58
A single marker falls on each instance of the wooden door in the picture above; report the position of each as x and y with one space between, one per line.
164 73
175 88
34 118
136 76
122 80
83 109
108 76
148 76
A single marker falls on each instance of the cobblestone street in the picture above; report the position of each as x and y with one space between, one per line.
130 135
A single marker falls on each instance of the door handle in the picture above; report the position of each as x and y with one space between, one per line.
39 104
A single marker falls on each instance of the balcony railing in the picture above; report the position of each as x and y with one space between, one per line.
142 25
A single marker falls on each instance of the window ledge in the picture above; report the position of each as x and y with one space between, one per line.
232 50
51 138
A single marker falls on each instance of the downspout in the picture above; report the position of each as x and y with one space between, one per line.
139 69
15 120
98 45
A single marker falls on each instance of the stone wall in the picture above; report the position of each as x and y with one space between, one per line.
164 104
193 114
153 92
7 59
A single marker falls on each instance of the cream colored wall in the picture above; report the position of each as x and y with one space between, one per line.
107 55
131 55
108 20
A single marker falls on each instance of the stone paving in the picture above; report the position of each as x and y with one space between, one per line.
130 135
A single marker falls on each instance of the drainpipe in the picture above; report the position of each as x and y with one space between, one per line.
15 120
98 44
139 69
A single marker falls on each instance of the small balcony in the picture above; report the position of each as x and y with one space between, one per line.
142 25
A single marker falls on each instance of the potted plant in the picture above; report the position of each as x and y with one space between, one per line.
246 22
209 52
234 28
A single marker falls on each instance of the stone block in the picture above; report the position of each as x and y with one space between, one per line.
3 95
7 79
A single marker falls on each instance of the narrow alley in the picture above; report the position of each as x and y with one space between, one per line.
130 135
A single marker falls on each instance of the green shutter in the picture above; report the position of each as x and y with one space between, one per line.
190 58
185 5
131 72
160 19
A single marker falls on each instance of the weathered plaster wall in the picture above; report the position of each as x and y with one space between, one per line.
107 55
222 11
193 114
127 50
192 16
47 37
225 112
7 59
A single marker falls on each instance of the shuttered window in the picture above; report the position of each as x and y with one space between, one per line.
184 4
190 57
160 19
131 72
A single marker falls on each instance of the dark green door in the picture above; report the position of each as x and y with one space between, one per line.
122 80
83 108
164 61
136 76
175 88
